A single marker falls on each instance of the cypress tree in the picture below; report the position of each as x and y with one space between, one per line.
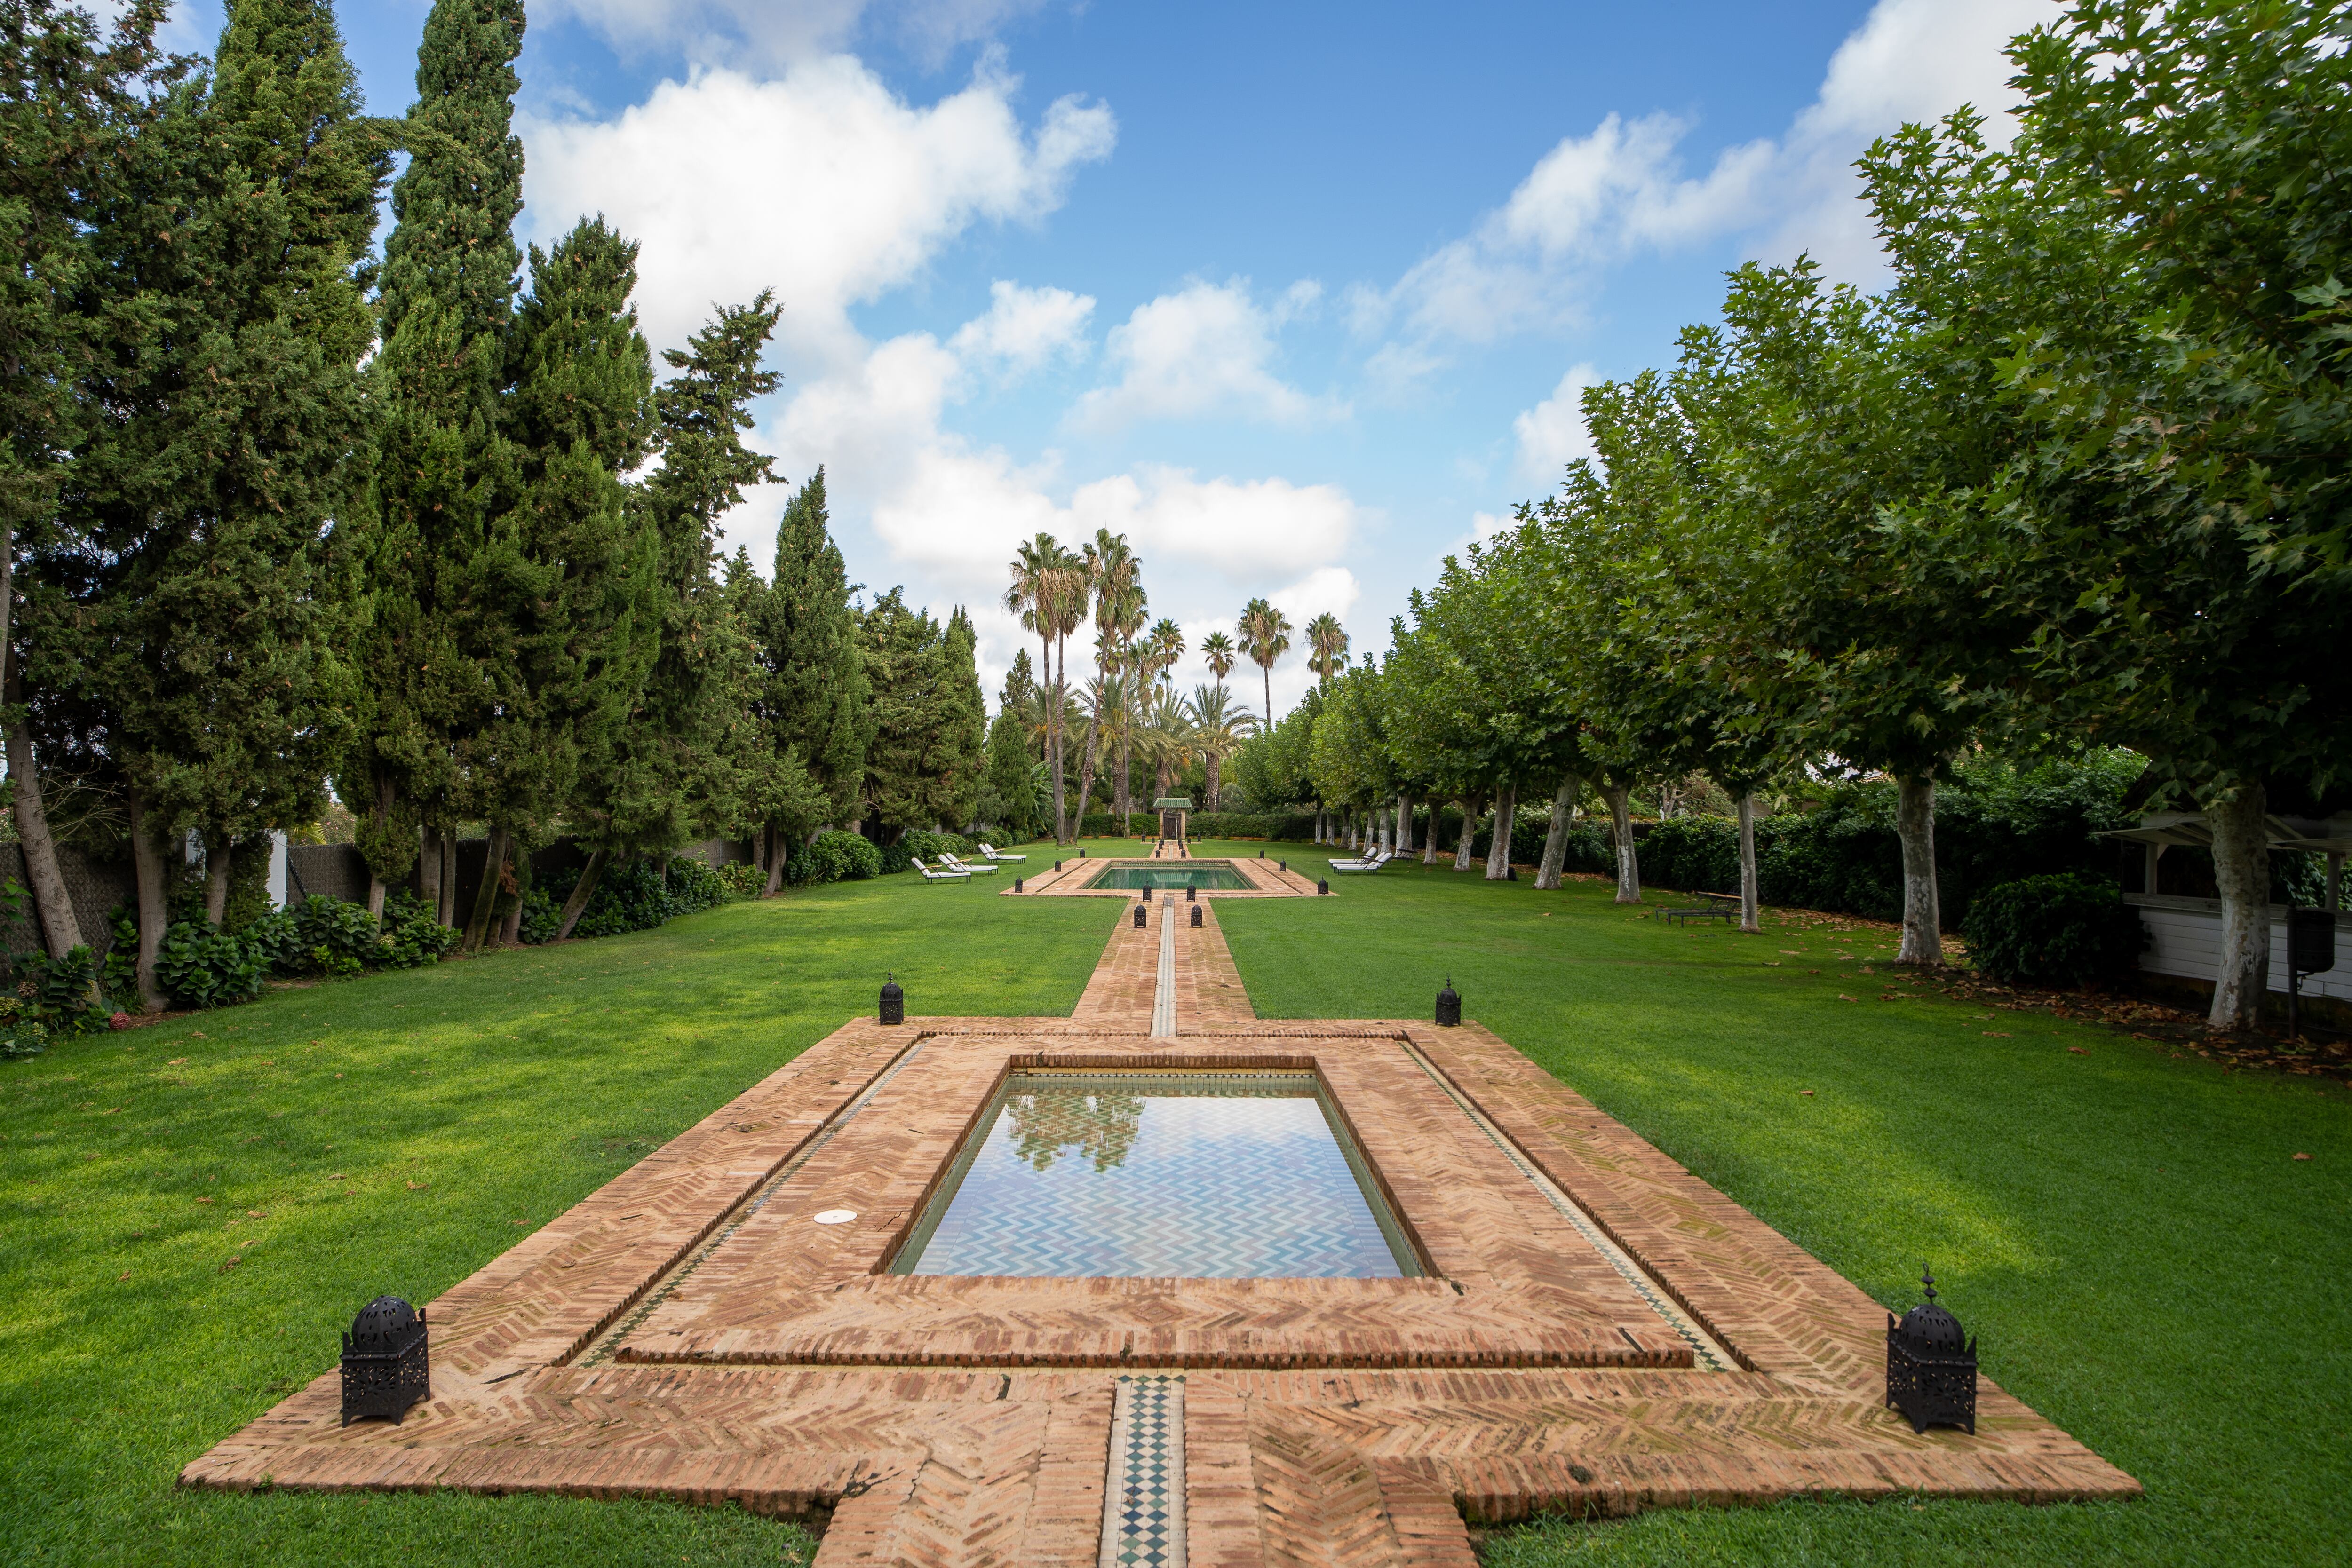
923 767
963 721
674 768
224 493
810 684
72 106
446 469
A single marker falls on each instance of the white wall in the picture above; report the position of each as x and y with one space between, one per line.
2186 940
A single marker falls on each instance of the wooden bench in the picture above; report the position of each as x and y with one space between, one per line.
1714 912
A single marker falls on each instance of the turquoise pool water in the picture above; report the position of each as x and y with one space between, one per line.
1133 877
1222 1176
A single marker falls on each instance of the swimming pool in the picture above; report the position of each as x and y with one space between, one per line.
1133 877
1206 1175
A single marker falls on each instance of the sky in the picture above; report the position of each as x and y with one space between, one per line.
1299 298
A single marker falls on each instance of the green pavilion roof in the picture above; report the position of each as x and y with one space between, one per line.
1172 803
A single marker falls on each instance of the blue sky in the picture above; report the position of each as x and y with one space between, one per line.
1299 298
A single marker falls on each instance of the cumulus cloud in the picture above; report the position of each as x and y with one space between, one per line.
1203 352
1621 188
1552 434
821 183
1025 328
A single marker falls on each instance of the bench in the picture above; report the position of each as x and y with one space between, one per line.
1716 911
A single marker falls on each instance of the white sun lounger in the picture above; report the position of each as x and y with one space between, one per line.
931 875
1372 862
964 866
989 851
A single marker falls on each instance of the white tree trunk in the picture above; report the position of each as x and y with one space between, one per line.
1469 831
446 897
1555 853
216 869
1751 917
2242 874
1621 830
60 932
1914 824
1404 823
1498 845
1429 849
147 864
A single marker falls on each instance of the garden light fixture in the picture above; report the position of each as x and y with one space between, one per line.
386 1366
1139 916
1449 1005
894 1002
1196 916
1931 1365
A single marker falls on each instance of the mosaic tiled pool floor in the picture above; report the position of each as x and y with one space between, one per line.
1194 1176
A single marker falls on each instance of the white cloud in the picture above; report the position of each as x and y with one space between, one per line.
1245 529
776 31
821 183
1621 188
1025 327
1552 434
1205 351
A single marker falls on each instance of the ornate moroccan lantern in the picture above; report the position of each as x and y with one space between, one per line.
894 1002
1196 916
1449 1005
1931 1366
1192 892
1322 887
1139 917
386 1363
1016 885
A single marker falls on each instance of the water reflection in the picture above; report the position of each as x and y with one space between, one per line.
1103 1126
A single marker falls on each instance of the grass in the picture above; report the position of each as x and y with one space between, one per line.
190 1213
2129 1232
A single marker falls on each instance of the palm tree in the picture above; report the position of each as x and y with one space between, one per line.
1219 651
1166 736
1266 636
1327 644
1218 731
1109 575
1165 642
1049 594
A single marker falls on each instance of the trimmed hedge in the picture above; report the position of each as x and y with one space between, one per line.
2058 930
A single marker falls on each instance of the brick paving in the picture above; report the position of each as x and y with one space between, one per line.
687 1330
1266 879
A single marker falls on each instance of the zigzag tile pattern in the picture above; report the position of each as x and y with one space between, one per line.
966 1420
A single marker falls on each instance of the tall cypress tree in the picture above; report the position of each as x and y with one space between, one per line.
923 766
963 721
72 106
567 577
446 469
810 684
674 769
223 494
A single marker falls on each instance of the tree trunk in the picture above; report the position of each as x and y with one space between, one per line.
1470 805
1621 828
1404 823
1555 855
428 861
1429 846
1086 777
61 933
510 928
775 864
585 888
446 898
217 864
1210 762
486 897
2242 874
147 864
1751 917
1914 824
1498 846
1268 671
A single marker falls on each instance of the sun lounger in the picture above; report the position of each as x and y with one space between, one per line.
931 875
1372 862
964 866
988 852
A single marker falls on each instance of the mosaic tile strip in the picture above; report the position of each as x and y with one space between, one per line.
1709 1355
1163 991
1143 1491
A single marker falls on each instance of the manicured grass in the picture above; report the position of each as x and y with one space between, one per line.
190 1213
2146 1261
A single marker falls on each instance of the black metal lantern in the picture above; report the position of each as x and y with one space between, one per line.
894 1002
1283 866
1016 885
1931 1366
386 1367
1196 916
1449 1005
1142 896
1322 886
1192 892
1057 865
1139 916
1261 854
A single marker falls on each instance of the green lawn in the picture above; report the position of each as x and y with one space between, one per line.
2129 1232
393 1133
2147 1263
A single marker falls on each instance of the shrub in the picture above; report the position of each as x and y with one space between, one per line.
834 855
315 935
743 879
120 974
55 993
201 968
413 933
631 897
2055 930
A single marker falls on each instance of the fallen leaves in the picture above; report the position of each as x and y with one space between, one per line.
230 1264
177 1061
2077 1050
1807 1092
1996 1034
2302 1157
204 1200
1843 998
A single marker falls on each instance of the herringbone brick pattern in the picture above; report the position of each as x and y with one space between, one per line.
760 1358
1266 878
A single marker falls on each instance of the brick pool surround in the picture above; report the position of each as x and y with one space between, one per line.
686 1330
